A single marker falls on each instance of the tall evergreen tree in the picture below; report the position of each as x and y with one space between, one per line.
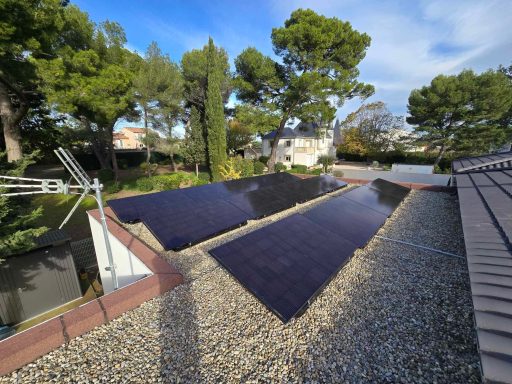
194 151
17 229
215 123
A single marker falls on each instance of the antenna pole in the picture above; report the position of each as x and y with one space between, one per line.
97 188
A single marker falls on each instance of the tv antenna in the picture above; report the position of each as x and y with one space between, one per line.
31 186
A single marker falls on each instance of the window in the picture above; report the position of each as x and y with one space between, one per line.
288 143
287 158
308 143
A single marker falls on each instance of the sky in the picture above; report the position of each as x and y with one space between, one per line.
412 41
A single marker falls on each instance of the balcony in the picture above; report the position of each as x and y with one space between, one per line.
304 150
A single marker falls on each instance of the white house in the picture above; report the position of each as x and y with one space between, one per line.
301 145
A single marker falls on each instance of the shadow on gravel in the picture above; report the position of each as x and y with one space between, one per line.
179 343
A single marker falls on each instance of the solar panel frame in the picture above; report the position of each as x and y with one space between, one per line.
374 199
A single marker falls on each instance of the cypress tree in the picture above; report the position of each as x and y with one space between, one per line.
195 147
214 115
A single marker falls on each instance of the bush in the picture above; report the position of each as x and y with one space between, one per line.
169 181
278 167
144 166
316 171
264 159
337 173
204 176
299 168
244 166
105 175
259 168
326 161
144 184
113 188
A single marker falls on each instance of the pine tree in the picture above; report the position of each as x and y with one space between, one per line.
214 115
194 151
17 229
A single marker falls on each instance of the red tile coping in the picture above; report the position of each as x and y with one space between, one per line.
423 187
24 347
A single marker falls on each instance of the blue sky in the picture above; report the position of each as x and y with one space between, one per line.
412 41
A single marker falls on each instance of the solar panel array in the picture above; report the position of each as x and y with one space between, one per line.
182 217
286 264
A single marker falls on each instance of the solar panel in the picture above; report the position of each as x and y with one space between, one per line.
266 201
187 226
374 199
285 264
389 188
348 219
132 209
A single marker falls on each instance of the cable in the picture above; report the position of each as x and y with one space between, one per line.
421 247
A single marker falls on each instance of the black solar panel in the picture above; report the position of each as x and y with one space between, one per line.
347 219
287 263
184 227
132 209
374 199
389 188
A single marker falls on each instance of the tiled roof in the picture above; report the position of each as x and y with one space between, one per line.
485 199
52 237
288 133
135 129
491 161
300 130
119 136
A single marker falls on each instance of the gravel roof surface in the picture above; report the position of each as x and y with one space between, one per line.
393 314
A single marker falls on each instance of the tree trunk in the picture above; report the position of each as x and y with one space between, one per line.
113 158
97 147
173 162
197 170
148 150
442 150
10 118
273 152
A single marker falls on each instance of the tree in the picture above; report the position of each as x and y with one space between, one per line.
326 161
194 146
318 71
91 81
29 31
462 112
206 75
18 229
215 123
158 88
370 129
237 135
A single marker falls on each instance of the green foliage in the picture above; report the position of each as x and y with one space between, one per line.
326 161
264 159
279 167
214 115
105 175
114 187
18 227
299 168
228 170
169 181
204 176
144 166
144 184
194 146
238 135
259 168
465 112
318 73
315 172
244 166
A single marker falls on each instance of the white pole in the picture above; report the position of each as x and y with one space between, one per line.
97 188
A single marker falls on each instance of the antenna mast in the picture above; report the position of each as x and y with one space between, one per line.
85 185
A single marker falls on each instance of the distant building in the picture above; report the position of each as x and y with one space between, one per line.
129 138
252 153
301 145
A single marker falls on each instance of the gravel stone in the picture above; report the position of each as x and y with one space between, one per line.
393 314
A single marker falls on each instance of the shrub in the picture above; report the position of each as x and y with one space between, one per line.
113 187
169 181
105 175
300 168
337 173
326 161
228 170
259 168
316 171
278 167
144 166
264 159
375 164
204 176
244 166
144 184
